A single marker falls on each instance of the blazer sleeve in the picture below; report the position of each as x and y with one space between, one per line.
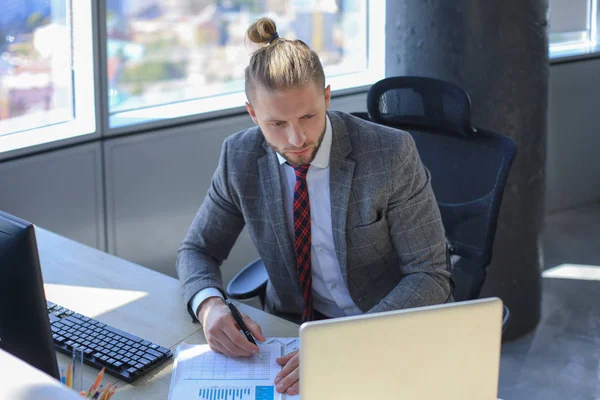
418 236
211 236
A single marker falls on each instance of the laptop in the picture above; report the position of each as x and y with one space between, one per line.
448 351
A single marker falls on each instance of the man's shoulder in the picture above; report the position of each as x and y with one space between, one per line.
369 137
248 141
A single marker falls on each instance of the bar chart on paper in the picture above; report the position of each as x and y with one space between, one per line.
201 374
237 393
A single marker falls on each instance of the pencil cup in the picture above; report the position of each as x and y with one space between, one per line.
78 369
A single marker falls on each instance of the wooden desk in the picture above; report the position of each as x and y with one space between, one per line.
129 297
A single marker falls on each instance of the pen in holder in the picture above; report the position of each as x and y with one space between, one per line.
77 368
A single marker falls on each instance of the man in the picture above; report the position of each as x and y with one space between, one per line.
340 210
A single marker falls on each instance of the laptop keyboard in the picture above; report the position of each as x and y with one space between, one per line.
122 354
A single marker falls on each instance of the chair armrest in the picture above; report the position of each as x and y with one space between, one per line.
250 282
505 318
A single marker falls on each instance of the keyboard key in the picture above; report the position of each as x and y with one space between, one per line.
74 319
163 350
150 357
154 353
127 335
132 370
154 346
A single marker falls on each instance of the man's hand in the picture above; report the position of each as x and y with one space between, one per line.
222 333
287 380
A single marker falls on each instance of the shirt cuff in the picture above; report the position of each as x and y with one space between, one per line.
203 295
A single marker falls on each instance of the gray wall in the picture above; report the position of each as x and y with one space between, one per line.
154 182
153 185
573 164
60 190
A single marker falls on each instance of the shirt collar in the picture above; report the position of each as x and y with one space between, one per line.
322 158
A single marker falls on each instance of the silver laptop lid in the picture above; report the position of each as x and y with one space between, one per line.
449 351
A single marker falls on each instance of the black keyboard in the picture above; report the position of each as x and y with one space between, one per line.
123 355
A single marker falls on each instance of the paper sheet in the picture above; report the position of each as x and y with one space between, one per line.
200 373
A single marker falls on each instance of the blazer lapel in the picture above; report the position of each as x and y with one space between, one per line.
340 184
270 181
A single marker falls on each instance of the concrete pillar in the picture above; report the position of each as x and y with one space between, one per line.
496 51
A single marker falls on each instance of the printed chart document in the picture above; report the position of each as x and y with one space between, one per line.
200 373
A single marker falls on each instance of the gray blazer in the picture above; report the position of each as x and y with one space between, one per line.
387 229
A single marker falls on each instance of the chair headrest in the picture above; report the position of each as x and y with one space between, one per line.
420 102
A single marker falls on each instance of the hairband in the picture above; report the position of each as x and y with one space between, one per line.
273 37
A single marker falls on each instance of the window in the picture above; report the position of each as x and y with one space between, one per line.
573 27
46 73
172 58
159 59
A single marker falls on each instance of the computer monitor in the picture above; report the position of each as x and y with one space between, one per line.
24 324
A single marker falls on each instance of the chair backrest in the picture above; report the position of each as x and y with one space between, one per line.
468 166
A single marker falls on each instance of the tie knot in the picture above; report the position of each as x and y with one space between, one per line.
301 171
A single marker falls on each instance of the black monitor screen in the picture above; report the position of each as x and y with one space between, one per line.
24 325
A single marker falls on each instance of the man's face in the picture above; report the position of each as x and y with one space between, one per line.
292 121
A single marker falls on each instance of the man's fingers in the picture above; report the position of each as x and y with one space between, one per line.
215 345
288 380
231 349
283 360
291 365
289 374
240 342
294 389
254 328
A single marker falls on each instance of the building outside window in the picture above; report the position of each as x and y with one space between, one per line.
173 58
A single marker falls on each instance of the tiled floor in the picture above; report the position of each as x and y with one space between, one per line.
561 358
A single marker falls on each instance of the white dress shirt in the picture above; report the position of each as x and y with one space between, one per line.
330 294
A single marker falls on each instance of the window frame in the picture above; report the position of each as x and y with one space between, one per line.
589 48
85 126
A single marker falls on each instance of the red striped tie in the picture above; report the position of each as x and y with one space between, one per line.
302 235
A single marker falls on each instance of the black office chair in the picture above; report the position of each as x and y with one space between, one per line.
468 166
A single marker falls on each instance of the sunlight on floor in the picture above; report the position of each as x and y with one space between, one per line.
574 271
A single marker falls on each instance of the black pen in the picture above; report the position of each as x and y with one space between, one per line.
240 321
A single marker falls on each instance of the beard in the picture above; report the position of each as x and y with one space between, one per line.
298 160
